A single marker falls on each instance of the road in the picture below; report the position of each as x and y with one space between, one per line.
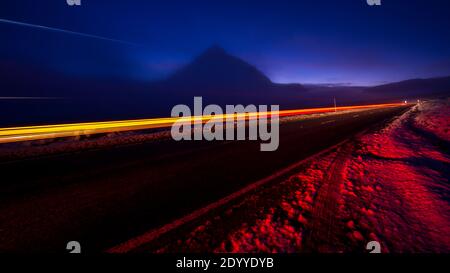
27 133
102 198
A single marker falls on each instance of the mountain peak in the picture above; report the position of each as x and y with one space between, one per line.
215 68
215 50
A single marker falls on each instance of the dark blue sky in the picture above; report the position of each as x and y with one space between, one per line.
317 41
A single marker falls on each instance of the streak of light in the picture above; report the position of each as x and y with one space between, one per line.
17 134
29 25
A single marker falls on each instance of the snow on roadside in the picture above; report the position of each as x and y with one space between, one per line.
75 144
281 229
434 118
401 180
393 188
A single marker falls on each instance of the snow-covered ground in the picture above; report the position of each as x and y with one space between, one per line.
76 144
390 185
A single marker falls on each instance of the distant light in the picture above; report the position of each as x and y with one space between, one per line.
406 102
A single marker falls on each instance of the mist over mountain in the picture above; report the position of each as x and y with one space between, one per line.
223 79
217 76
216 68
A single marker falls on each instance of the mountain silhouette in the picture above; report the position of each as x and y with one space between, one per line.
215 68
222 78
216 75
413 89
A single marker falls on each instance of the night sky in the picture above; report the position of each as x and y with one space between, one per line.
320 41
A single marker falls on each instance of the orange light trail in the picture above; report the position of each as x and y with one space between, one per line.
18 134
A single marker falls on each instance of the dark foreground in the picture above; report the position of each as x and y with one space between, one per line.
102 198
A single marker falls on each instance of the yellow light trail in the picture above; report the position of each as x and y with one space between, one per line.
17 134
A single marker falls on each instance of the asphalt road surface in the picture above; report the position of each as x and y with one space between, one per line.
102 198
